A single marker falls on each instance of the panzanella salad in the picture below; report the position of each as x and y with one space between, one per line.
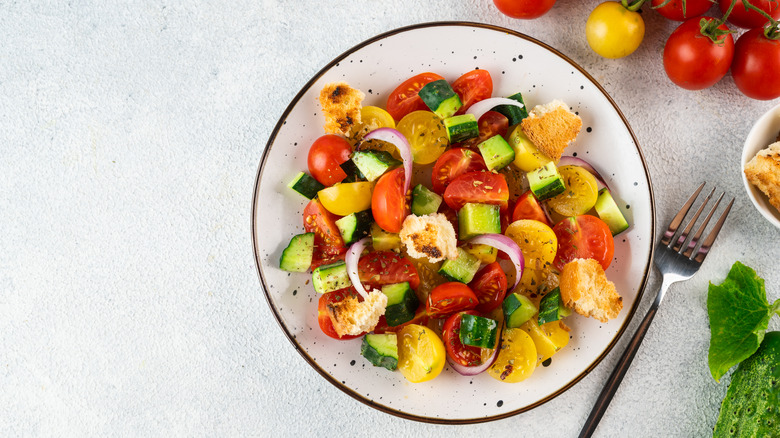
449 226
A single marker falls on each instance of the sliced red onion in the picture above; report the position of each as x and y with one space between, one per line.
483 106
473 370
352 258
503 243
576 161
398 140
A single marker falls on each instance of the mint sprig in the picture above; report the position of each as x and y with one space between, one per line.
739 315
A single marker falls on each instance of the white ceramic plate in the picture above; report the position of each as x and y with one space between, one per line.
763 133
517 63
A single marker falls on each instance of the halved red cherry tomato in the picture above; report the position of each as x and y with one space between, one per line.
680 10
420 318
448 298
404 98
477 187
379 268
528 207
388 202
489 285
325 156
491 123
326 325
583 237
328 244
465 355
452 164
472 87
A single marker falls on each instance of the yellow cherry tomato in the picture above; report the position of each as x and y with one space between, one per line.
614 31
347 198
516 359
371 118
421 354
548 338
426 134
527 156
580 195
537 241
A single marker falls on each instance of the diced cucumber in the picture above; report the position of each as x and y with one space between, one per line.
328 278
424 200
496 152
402 303
373 164
610 213
514 114
518 309
478 331
297 256
476 219
355 226
306 185
551 308
527 156
440 98
546 182
353 173
381 240
460 128
485 253
461 269
381 350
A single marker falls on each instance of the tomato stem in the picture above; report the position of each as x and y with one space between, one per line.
710 27
632 5
772 31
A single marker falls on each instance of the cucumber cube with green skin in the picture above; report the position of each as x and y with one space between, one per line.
425 201
381 240
551 308
381 350
402 303
298 254
476 219
478 331
546 182
514 114
518 309
306 185
353 173
460 128
328 278
355 226
610 213
440 98
373 164
462 269
496 152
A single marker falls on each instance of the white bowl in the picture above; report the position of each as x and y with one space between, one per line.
763 133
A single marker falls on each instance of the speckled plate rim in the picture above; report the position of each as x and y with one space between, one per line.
311 361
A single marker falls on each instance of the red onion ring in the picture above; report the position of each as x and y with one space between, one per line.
483 106
568 160
394 137
508 246
473 370
352 258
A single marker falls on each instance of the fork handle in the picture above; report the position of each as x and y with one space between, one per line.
617 375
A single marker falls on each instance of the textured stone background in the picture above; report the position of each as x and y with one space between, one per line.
131 135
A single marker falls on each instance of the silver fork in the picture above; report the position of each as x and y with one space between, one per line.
677 257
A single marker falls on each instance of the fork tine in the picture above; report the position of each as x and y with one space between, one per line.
699 232
705 246
678 245
672 230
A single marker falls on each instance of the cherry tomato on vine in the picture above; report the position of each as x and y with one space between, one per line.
693 61
756 65
749 19
524 9
679 10
614 31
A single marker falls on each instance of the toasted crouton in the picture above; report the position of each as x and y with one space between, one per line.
763 171
585 288
431 236
551 128
350 317
341 105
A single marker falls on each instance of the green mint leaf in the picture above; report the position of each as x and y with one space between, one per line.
739 315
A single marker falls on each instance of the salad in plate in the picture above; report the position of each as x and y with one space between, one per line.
448 227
